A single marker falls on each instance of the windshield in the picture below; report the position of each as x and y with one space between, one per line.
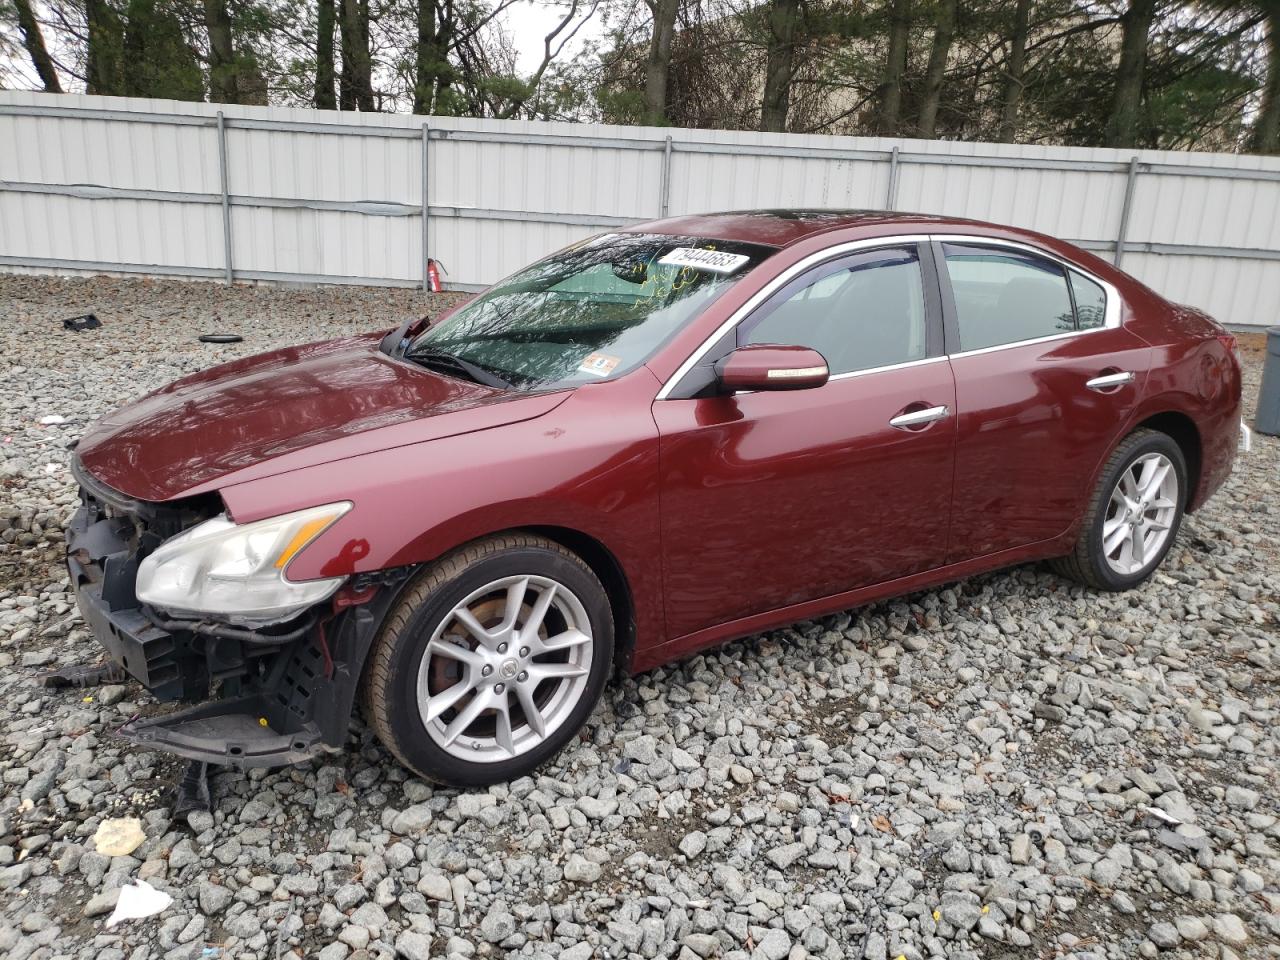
591 311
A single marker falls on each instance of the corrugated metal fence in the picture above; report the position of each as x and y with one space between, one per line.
278 194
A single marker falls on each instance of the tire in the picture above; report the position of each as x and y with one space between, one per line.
435 685
1091 563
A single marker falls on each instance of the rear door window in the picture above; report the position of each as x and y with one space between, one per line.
1005 296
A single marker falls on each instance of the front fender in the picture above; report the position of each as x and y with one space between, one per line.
589 466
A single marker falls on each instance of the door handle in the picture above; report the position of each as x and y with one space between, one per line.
918 418
1110 380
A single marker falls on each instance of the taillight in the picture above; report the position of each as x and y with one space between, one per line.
1229 341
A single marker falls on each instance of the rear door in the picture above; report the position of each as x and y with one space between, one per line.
1045 377
769 499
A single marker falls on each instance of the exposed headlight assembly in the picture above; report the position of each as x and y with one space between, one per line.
237 571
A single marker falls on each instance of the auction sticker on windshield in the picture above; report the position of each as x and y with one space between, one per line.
717 261
599 364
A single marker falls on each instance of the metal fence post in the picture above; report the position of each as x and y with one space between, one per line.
665 199
226 196
426 209
891 194
1124 210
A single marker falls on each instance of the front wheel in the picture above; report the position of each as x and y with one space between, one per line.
491 661
1133 516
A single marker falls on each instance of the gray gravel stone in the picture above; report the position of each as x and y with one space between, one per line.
497 925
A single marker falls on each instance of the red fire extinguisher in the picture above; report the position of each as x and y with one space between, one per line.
433 277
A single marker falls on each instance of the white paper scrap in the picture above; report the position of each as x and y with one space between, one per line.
138 900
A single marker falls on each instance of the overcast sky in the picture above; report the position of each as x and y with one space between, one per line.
530 22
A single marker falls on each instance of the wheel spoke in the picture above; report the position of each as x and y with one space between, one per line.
532 715
529 630
549 671
1155 477
1162 503
1129 486
444 700
473 626
465 718
443 648
1115 537
1139 546
502 726
562 641
515 600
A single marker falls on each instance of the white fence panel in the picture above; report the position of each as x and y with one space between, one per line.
95 184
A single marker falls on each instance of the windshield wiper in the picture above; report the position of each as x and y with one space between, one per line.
451 363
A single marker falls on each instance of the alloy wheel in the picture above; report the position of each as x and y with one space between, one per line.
1140 514
505 668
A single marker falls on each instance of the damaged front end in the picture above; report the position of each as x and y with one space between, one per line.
276 694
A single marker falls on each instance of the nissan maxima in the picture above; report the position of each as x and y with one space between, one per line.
651 442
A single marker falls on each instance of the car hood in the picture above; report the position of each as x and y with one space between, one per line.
283 411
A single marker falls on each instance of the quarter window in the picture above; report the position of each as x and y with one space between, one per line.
1091 302
1003 296
860 312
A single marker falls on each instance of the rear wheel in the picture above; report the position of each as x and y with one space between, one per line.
491 661
1133 516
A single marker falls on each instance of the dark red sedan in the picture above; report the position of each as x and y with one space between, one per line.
648 443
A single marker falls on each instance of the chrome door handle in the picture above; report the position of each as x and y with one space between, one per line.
1107 381
918 418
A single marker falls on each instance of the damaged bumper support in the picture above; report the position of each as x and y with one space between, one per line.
274 696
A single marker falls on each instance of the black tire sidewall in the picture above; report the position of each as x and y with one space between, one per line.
414 743
1138 447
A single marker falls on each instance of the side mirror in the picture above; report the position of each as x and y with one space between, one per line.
768 366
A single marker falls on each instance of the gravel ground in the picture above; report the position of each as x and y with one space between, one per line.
1007 767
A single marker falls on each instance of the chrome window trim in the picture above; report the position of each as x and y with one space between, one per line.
1111 321
887 367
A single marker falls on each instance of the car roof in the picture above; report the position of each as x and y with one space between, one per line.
780 228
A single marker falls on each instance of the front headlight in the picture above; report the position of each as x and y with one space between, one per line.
237 571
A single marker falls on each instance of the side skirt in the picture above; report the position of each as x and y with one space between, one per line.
680 647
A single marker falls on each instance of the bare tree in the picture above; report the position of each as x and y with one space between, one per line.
104 49
356 85
783 23
33 40
222 57
1126 104
1015 67
433 72
326 75
1265 137
943 31
895 67
658 68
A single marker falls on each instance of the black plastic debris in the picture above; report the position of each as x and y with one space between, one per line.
193 793
220 338
83 675
86 322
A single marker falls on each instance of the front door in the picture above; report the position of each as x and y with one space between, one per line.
769 499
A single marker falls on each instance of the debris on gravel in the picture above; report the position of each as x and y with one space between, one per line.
1006 766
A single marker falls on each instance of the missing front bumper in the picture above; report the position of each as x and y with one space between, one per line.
233 732
281 698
